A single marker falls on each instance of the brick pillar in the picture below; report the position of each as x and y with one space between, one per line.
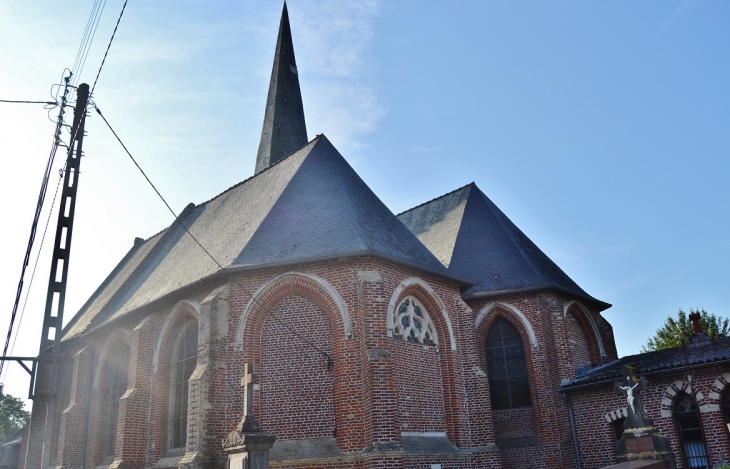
204 403
383 424
134 404
73 422
553 424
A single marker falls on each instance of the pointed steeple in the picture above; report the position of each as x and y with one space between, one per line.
284 129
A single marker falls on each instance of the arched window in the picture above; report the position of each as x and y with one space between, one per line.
506 367
63 398
115 385
692 438
412 323
618 428
184 360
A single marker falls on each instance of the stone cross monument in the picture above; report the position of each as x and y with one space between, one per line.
248 447
640 439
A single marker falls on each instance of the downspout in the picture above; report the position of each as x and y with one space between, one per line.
576 447
89 379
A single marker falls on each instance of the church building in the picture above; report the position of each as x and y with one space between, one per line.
442 337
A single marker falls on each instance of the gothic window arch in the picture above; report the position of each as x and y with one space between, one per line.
413 324
183 360
115 385
691 434
509 386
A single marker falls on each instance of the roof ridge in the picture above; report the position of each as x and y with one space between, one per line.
268 168
436 198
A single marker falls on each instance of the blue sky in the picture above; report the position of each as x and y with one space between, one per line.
602 129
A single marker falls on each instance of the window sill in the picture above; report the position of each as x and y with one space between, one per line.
516 409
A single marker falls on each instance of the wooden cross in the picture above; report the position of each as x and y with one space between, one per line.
248 423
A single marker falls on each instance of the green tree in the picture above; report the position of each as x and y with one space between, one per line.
12 416
677 332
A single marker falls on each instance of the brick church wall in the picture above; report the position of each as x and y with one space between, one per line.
297 390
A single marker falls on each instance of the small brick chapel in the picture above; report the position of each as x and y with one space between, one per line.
442 337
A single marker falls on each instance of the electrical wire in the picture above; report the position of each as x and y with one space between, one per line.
91 39
36 217
108 47
35 266
330 361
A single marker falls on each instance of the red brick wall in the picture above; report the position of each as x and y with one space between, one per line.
578 342
297 390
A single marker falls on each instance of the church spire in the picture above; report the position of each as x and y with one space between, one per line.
284 128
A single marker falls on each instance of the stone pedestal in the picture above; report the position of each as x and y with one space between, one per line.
248 450
645 444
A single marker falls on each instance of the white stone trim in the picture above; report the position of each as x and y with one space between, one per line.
186 305
427 325
125 335
667 404
341 305
588 316
616 414
525 322
718 387
390 315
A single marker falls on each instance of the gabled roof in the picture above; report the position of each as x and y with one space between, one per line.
284 129
477 242
310 206
699 353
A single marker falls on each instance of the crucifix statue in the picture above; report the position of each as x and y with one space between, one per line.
632 386
248 424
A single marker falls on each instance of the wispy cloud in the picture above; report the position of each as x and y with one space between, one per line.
333 41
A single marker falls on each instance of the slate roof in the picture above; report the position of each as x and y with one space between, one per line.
284 129
477 242
310 206
702 353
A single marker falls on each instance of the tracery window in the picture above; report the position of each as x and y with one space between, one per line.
506 367
687 416
115 385
184 360
412 323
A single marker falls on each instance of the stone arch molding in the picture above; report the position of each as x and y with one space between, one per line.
523 319
589 317
182 308
667 406
616 414
718 387
412 281
123 335
329 289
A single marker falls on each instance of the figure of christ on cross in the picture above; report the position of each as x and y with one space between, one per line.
632 385
248 424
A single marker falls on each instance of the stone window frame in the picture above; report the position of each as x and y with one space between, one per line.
682 431
108 391
498 319
410 309
180 329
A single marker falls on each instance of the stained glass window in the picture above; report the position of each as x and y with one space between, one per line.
689 422
412 323
506 367
185 358
115 385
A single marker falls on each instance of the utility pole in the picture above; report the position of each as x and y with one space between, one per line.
49 355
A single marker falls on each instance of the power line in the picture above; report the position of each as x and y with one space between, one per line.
108 47
177 219
82 61
35 266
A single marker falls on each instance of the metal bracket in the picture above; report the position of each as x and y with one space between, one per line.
31 371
